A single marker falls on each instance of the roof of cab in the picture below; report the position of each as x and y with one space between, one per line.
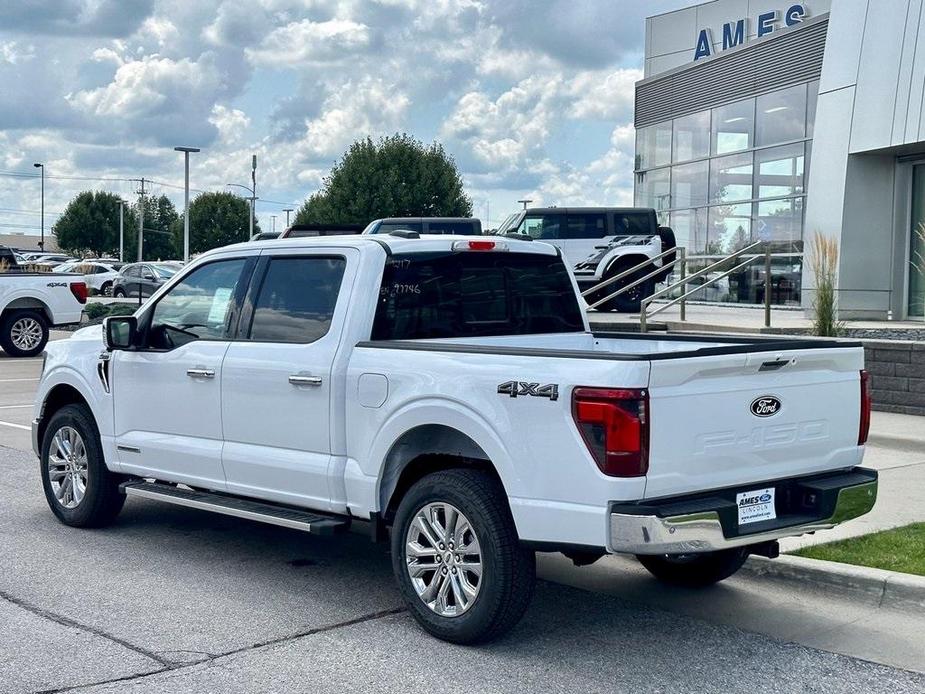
391 244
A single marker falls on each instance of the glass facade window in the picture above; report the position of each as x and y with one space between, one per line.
690 229
653 189
731 178
653 146
781 116
727 177
733 127
690 137
779 171
916 305
730 228
689 184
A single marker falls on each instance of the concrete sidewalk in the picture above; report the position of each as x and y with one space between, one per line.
896 449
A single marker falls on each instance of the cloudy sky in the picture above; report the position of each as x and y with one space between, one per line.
532 98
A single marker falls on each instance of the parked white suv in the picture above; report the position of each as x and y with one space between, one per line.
98 274
448 388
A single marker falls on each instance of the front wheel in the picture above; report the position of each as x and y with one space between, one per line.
23 333
79 488
119 293
694 570
458 561
106 289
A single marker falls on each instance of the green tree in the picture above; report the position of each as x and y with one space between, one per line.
398 176
216 219
160 217
90 224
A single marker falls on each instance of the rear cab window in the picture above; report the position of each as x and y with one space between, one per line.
633 224
470 294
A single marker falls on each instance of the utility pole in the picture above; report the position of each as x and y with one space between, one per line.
273 222
141 222
287 211
42 167
253 191
186 151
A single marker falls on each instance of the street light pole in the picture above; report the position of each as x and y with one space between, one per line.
252 198
287 211
186 151
121 230
253 191
42 167
525 203
273 223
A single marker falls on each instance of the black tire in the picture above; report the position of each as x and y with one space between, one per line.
695 570
35 320
631 301
102 500
119 293
508 568
106 289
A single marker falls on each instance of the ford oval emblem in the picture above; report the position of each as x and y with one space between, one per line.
765 406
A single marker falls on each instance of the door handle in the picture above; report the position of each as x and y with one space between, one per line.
300 380
200 373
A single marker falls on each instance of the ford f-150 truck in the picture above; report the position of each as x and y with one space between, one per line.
32 302
447 391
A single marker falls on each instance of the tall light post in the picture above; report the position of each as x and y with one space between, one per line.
253 190
273 223
186 151
42 167
287 211
252 198
525 202
121 230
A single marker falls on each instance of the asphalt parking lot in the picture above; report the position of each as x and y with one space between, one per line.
175 600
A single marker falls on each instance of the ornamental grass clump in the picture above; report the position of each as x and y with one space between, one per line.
823 260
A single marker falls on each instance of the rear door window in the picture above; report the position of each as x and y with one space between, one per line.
296 300
470 294
591 225
389 227
632 223
461 227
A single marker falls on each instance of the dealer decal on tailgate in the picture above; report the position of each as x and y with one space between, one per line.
756 505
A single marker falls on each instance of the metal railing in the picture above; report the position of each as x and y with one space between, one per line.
616 278
644 314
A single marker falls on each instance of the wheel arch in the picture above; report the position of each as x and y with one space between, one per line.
28 303
59 396
628 260
424 449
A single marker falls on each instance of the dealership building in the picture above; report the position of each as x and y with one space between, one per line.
770 121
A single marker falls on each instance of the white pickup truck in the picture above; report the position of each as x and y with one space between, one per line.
448 389
33 302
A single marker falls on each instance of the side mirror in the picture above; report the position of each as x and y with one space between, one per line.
119 332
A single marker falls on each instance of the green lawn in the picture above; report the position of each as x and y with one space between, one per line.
899 549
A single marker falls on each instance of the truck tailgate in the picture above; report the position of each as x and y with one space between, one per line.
725 420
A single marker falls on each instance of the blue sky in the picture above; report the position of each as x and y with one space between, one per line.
532 99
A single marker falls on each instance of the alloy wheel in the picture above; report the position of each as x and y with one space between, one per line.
67 467
444 560
26 333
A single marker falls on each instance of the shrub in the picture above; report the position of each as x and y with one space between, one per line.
100 311
823 260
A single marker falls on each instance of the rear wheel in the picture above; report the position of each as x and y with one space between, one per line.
79 488
695 570
630 301
106 289
23 333
119 293
458 561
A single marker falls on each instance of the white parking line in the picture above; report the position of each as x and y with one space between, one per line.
14 407
17 380
16 426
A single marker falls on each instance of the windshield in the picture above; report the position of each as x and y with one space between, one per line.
510 223
450 294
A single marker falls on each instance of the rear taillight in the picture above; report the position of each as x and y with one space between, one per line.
79 290
864 428
614 424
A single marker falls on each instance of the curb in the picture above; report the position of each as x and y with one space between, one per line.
885 588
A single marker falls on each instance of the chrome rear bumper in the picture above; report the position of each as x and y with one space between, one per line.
703 531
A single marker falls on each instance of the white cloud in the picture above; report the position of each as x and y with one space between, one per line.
369 107
306 41
232 124
13 52
604 94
